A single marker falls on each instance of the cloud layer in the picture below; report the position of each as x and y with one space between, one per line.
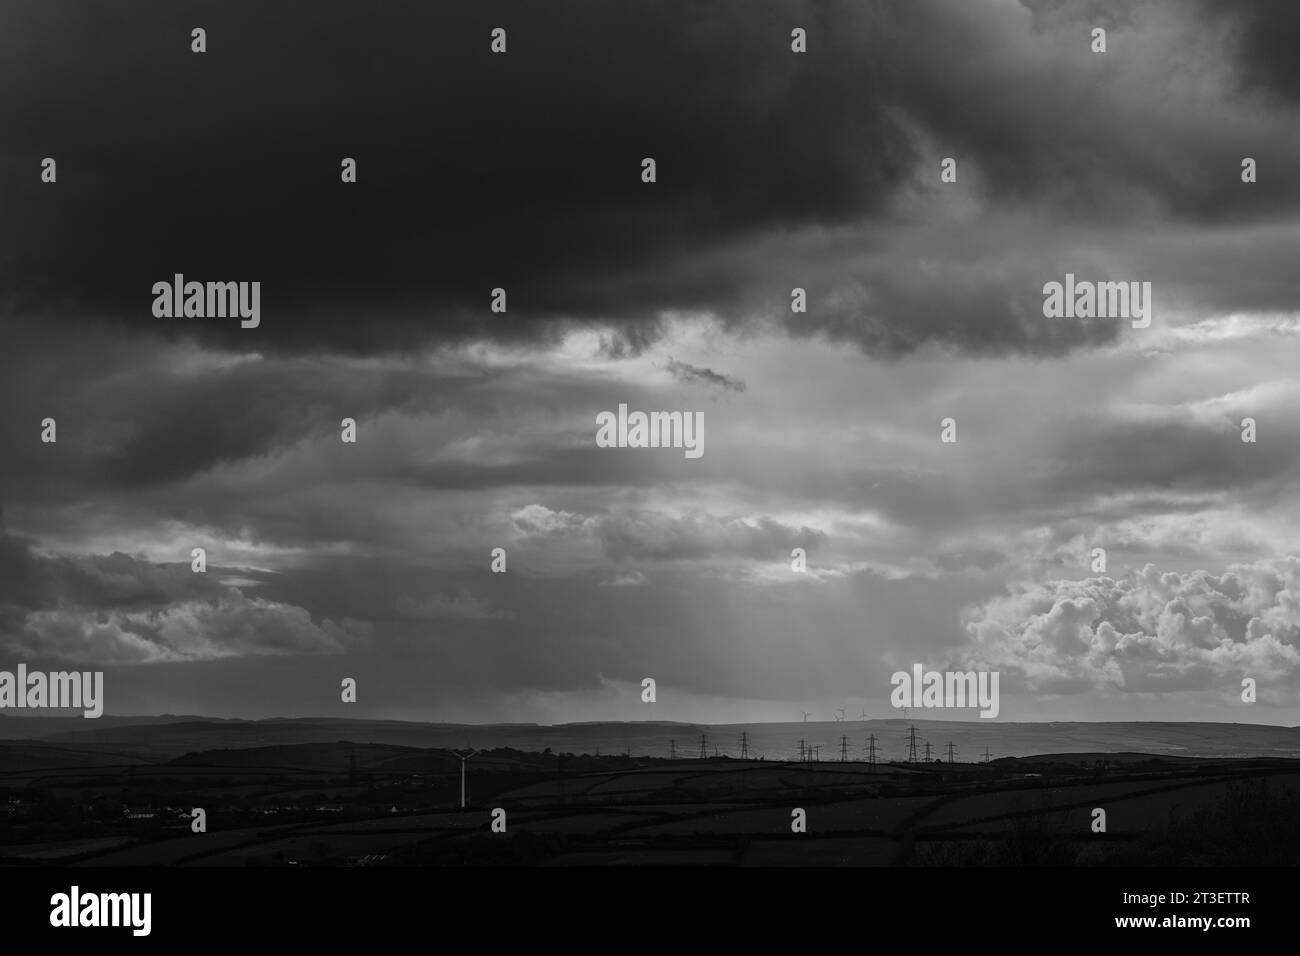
476 429
1150 631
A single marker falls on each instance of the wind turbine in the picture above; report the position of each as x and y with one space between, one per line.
863 715
806 715
463 758
839 713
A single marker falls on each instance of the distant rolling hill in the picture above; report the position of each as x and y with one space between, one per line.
26 756
329 757
170 737
25 727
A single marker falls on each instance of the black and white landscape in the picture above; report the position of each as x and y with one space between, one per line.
629 392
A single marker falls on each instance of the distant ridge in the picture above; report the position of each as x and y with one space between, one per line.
171 735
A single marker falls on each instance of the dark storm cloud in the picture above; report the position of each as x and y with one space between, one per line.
1266 34
475 171
30 580
707 376
892 312
157 424
1076 134
142 417
522 171
1180 453
116 608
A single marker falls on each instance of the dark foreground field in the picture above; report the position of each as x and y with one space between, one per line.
349 804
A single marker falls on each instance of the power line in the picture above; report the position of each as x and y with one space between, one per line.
844 748
871 755
928 751
950 751
911 745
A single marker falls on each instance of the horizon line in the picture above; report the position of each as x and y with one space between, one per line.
649 722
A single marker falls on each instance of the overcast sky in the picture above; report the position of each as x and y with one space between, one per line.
477 430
